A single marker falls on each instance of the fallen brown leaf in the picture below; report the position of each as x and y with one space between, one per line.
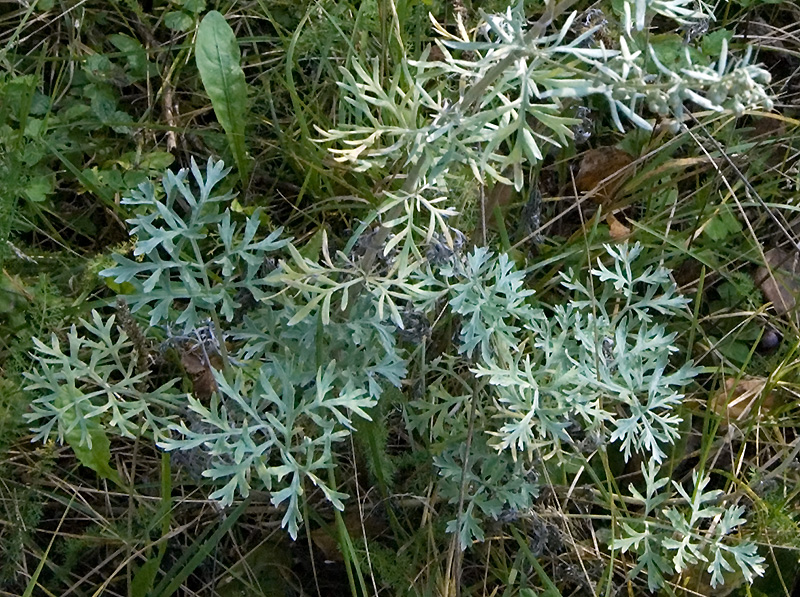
200 369
500 196
602 172
736 399
617 229
780 282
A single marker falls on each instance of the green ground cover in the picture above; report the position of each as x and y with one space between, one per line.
399 297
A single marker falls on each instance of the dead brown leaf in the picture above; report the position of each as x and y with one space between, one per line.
501 197
602 172
200 369
616 229
736 399
780 282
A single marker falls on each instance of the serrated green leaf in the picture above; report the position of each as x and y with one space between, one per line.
722 225
38 189
156 160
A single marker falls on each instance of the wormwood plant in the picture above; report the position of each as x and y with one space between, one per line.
601 364
288 388
291 382
300 346
500 100
567 383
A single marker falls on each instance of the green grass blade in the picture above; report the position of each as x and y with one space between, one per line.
35 577
195 555
550 588
145 577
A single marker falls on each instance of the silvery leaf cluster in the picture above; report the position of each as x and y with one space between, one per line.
495 100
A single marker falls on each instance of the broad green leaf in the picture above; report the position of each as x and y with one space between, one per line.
98 68
177 20
86 437
712 43
217 56
194 6
98 457
671 50
157 160
134 52
38 189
